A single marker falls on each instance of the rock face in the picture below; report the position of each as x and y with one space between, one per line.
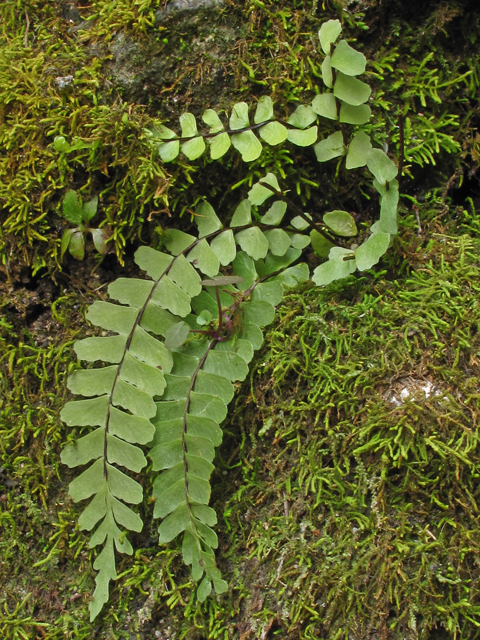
186 5
198 51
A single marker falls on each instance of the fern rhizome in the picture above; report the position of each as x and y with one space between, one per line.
179 340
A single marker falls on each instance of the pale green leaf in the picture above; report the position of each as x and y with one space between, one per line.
381 166
209 383
204 590
320 244
60 144
149 260
341 223
66 237
259 312
388 209
100 237
221 281
211 118
209 536
351 90
77 245
208 405
130 428
259 193
273 133
328 33
276 263
327 74
85 449
302 117
134 400
177 241
169 296
299 240
123 487
112 317
202 427
248 145
157 320
168 151
253 242
177 335
164 133
95 511
242 348
125 516
204 259
86 413
341 253
177 387
252 332
270 291
219 145
73 207
291 276
90 209
243 214
303 138
370 252
206 219
331 147
324 105
278 241
108 349
144 376
184 365
174 524
125 454
194 148
275 213
150 350
299 222
204 318
131 291
226 364
239 116
87 483
355 115
244 266
264 110
221 586
224 247
185 276
358 150
333 270
205 514
188 125
348 60
105 564
107 528
92 382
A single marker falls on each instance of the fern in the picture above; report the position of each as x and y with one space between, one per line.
180 338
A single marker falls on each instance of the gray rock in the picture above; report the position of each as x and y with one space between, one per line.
186 5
